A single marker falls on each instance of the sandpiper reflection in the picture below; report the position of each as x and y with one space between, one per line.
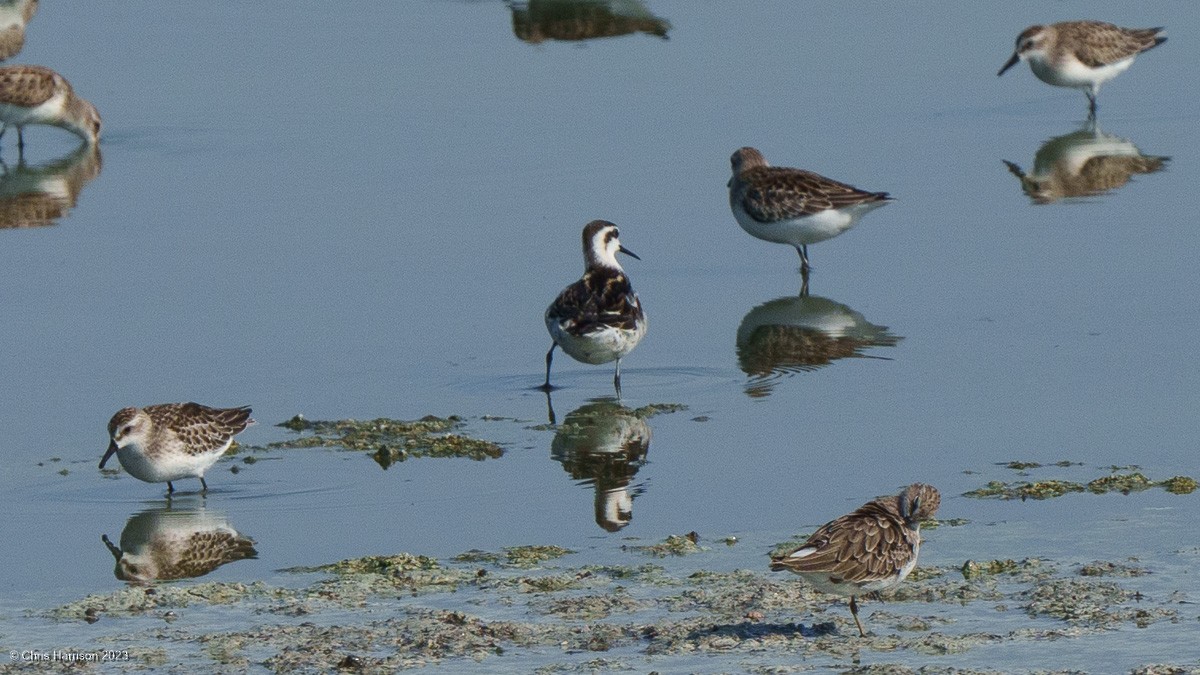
536 21
164 544
802 333
41 194
603 444
1083 163
14 15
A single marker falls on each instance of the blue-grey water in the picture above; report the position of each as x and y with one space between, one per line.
362 210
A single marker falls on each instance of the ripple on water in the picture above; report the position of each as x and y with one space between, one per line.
675 383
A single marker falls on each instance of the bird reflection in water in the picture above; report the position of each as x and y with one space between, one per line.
802 333
603 444
14 15
1083 163
39 195
536 21
164 544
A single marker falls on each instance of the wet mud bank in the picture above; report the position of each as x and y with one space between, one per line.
544 608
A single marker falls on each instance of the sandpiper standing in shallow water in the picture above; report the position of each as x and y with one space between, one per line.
598 318
871 549
37 95
1082 54
793 206
163 443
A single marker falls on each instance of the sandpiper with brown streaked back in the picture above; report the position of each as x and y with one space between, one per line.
870 549
166 442
37 95
598 318
793 206
1081 54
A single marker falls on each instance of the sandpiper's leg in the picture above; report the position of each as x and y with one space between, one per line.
170 488
203 486
803 285
549 358
617 380
1091 105
803 251
20 141
854 613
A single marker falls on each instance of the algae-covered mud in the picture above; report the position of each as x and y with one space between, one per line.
1121 479
546 609
388 440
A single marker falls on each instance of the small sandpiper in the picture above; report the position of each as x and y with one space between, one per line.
871 549
37 95
793 206
173 440
598 318
1082 54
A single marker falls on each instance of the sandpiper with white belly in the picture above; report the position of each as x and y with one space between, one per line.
794 206
1081 54
170 441
38 95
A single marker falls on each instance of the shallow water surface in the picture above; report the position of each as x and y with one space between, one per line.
364 212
